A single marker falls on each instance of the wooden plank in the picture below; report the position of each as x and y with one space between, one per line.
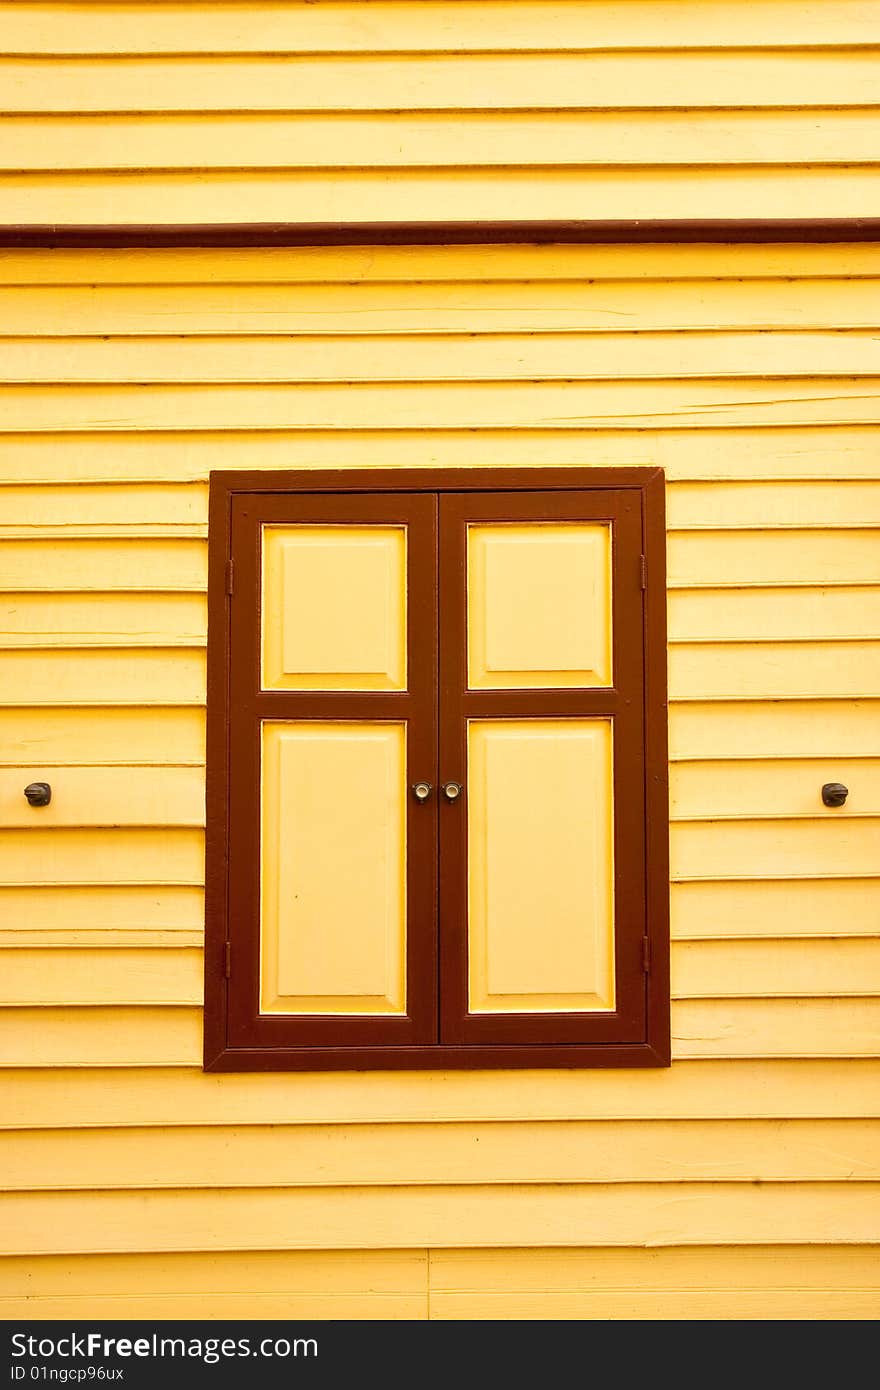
656 1305
381 1155
774 614
217 1308
801 670
62 856
267 1272
51 977
97 566
477 264
818 848
172 1036
757 455
771 789
552 81
826 503
142 678
430 308
432 404
707 559
145 1037
102 908
694 1270
106 796
775 908
38 508
661 193
450 357
775 969
122 737
102 620
339 28
776 1028
823 729
67 1097
355 1218
438 140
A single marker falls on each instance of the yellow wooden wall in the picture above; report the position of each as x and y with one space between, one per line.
741 1182
376 110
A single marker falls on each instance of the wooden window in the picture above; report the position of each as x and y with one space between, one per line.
437 820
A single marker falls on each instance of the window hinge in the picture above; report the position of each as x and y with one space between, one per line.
643 571
230 576
227 960
646 954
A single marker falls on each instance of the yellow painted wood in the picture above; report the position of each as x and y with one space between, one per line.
354 1218
539 605
773 614
822 729
771 789
431 405
413 264
219 1307
587 139
334 608
749 453
798 671
383 1155
819 848
325 196
50 976
96 1096
137 677
701 1028
776 969
103 910
105 796
103 620
552 81
37 856
706 559
776 1028
126 737
452 356
32 510
540 855
96 566
570 302
230 1273
101 1036
657 1305
775 908
828 502
333 895
470 26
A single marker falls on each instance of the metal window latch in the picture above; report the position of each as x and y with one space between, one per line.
422 790
452 790
38 793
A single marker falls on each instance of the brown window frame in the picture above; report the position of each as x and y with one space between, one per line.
236 1039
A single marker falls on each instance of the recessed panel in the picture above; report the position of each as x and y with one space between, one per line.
333 909
539 605
541 866
334 608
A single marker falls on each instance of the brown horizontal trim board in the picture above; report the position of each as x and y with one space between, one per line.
241 234
237 1037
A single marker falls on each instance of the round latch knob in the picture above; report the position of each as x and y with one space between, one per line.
452 790
38 793
834 794
422 790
